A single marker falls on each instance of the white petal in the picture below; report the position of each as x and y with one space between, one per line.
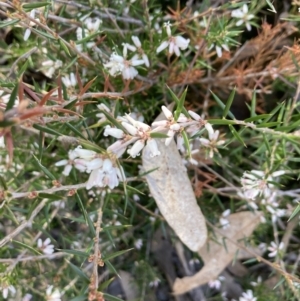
167 112
162 46
136 41
151 143
219 51
136 148
27 34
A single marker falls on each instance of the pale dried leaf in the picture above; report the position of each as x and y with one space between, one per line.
174 196
129 286
215 256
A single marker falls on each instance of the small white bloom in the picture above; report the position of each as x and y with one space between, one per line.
213 142
274 249
216 284
27 297
69 80
138 244
155 282
219 49
31 23
152 145
53 296
175 44
136 148
247 296
6 289
45 246
224 222
243 15
49 67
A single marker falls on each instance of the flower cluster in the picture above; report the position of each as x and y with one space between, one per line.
255 183
140 134
103 169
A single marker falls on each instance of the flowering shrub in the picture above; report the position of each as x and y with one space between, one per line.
81 85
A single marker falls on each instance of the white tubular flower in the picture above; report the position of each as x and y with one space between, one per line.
175 43
136 148
69 80
243 15
247 296
6 289
138 47
274 248
114 132
152 145
45 246
53 296
67 163
85 154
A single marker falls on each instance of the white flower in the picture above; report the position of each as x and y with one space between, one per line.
247 296
155 282
53 296
224 222
219 48
31 23
138 244
139 49
120 65
175 43
106 175
216 284
274 249
91 26
114 132
254 183
7 289
45 246
212 143
50 66
243 15
27 297
2 143
69 80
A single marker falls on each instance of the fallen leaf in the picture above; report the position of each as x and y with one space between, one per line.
219 252
171 188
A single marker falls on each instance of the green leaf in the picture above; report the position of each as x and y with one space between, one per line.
109 297
186 143
180 105
228 103
26 247
221 104
23 68
74 130
9 23
43 168
64 47
116 254
105 284
46 130
113 120
80 298
31 6
158 135
294 213
75 252
79 273
84 213
50 196
177 101
44 34
90 145
221 121
12 98
253 104
267 124
257 117
236 135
